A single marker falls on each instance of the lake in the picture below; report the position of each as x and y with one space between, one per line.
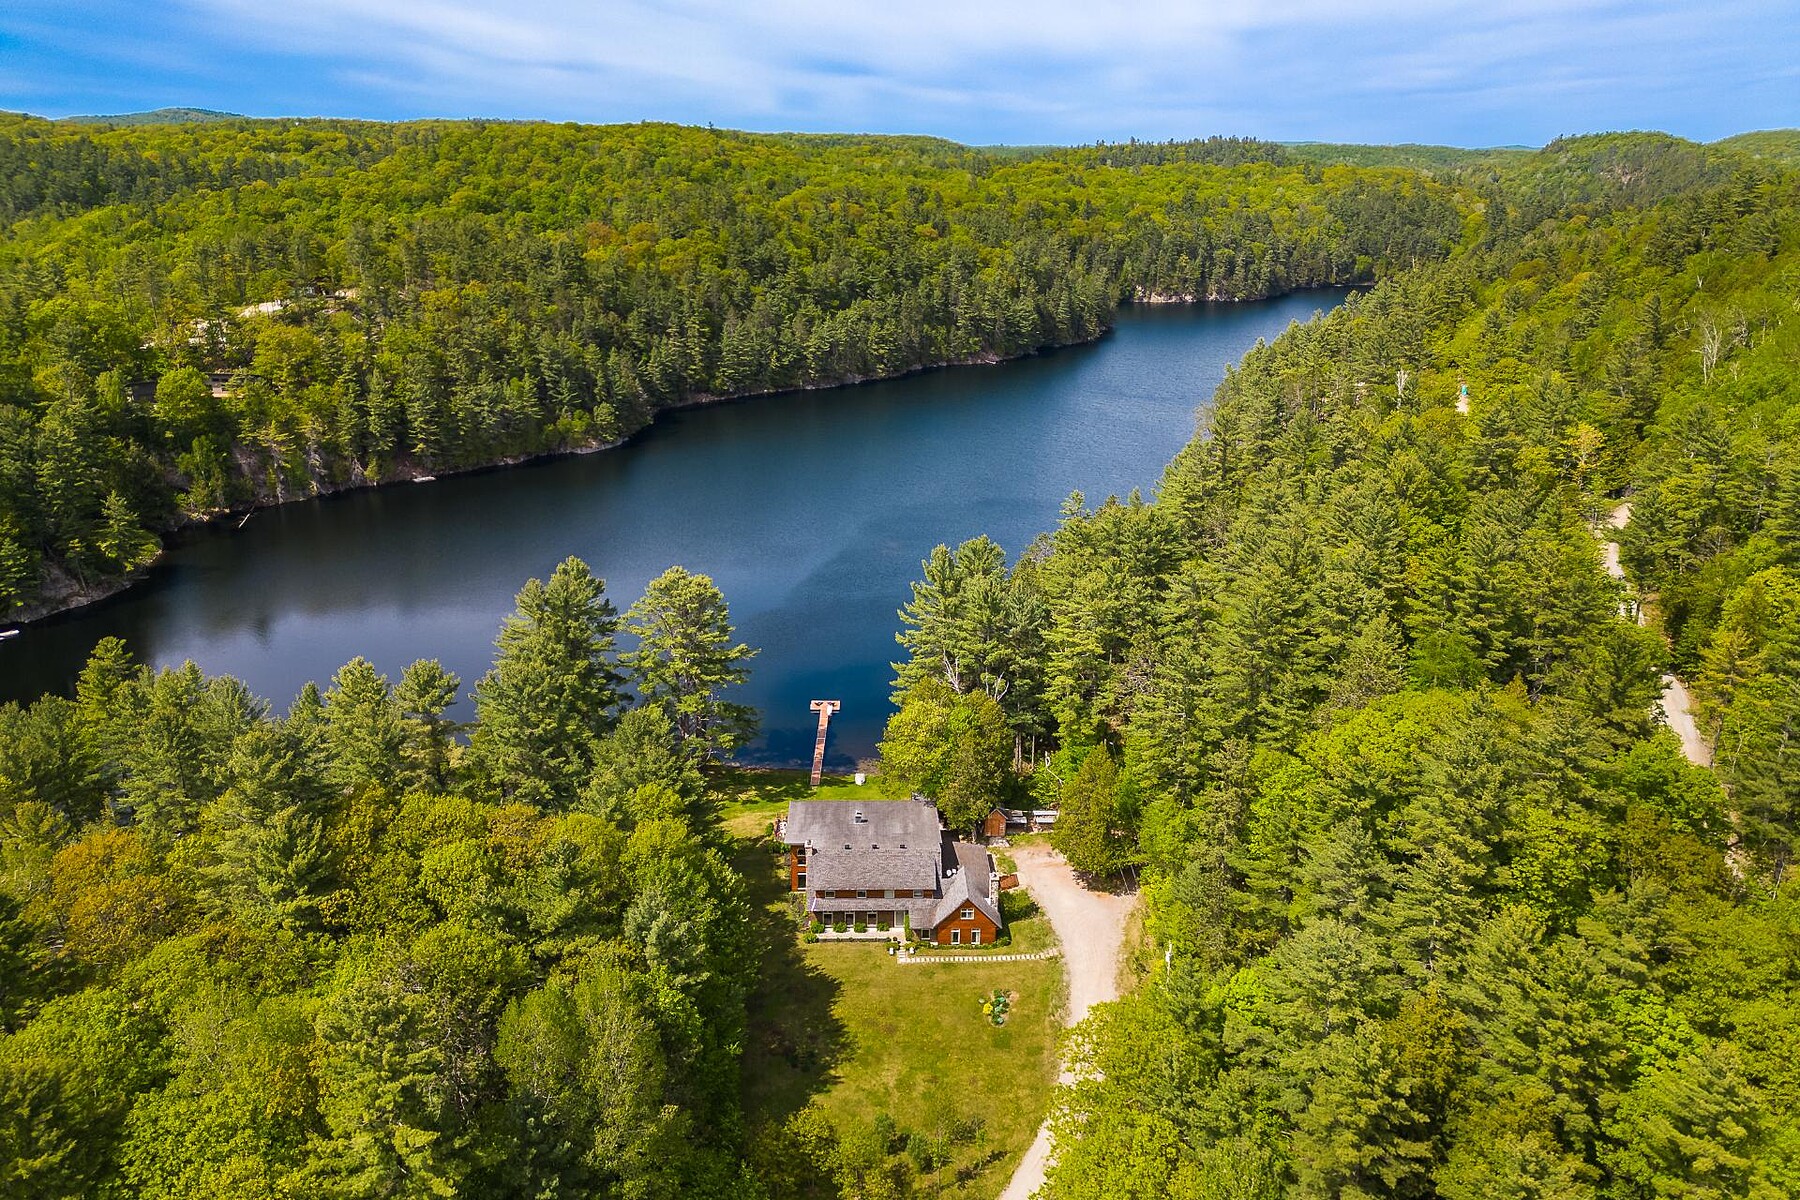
811 510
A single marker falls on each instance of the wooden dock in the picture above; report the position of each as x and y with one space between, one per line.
824 708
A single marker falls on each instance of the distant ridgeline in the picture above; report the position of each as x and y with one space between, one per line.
201 316
1435 906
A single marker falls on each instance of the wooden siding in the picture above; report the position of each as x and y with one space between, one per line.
989 931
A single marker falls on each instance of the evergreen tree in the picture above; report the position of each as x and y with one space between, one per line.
424 694
1087 828
552 692
364 730
644 752
685 658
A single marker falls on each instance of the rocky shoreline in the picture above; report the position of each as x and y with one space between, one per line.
62 593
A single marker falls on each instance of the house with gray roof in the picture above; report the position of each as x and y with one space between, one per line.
890 864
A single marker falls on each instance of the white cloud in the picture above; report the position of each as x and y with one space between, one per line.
1027 69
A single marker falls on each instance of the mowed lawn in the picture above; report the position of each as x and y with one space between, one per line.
750 799
844 1026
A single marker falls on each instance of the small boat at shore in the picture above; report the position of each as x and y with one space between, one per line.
425 479
8 633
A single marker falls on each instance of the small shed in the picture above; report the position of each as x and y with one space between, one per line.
994 824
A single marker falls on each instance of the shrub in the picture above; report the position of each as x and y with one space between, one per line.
816 927
838 927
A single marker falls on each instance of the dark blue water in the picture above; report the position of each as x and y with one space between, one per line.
811 511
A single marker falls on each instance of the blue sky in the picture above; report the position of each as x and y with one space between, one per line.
1485 72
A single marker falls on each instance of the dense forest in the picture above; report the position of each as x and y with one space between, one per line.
1445 910
203 316
347 951
1435 905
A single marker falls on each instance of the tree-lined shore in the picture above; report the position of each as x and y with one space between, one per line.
201 318
1437 906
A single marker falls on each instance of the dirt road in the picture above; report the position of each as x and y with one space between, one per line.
1091 927
1677 705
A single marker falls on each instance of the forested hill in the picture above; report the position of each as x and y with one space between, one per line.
1436 905
202 316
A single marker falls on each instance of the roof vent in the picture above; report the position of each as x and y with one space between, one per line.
859 817
846 845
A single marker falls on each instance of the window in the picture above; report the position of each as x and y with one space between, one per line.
974 937
968 914
861 894
956 937
800 881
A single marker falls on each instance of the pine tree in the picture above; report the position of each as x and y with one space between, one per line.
21 958
19 567
1086 829
124 544
643 752
364 734
553 689
425 693
1343 874
1373 666
685 658
1692 1128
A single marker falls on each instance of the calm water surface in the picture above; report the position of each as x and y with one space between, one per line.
811 511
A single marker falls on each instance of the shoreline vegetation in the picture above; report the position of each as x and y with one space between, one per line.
207 318
62 594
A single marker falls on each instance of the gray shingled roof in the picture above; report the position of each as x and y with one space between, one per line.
889 824
896 844
970 886
833 867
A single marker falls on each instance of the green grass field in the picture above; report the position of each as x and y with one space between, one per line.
843 1026
750 799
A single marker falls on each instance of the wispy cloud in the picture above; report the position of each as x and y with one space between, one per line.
1031 70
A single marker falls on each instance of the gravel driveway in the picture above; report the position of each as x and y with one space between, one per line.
1091 927
1677 705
